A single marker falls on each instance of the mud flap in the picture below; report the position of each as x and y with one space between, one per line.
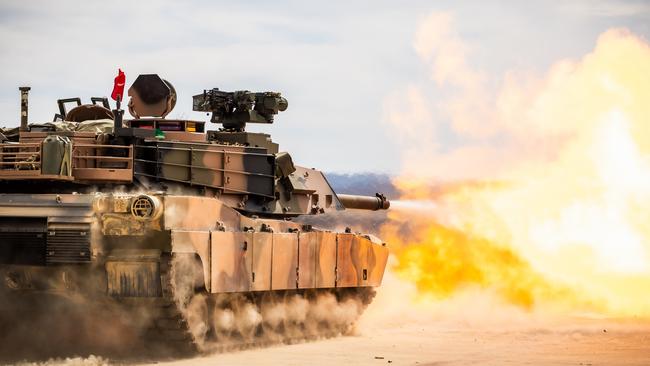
134 274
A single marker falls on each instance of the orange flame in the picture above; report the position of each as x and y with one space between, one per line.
568 219
441 261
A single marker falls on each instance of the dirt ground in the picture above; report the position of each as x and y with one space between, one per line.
438 344
416 344
471 329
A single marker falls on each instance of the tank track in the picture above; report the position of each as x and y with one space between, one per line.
172 325
183 325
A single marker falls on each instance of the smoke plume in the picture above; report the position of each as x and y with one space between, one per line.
542 198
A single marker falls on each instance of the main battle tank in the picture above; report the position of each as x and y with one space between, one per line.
191 233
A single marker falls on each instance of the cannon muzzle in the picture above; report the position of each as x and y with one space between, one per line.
378 202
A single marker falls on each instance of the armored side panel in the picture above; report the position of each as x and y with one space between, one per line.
198 213
285 261
377 260
346 263
326 261
233 169
360 262
262 261
195 242
231 261
317 260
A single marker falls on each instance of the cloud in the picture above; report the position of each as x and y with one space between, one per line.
606 8
521 116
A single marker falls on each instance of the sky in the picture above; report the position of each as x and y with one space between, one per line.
337 62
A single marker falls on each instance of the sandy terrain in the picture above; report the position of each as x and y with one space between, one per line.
471 329
429 344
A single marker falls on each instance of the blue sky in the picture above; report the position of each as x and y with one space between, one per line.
335 61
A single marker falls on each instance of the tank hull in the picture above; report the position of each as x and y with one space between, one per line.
179 273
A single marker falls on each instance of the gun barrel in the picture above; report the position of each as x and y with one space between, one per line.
373 203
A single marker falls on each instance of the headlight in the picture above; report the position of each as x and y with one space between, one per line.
145 207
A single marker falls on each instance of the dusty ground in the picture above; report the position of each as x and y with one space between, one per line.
431 344
472 329
414 344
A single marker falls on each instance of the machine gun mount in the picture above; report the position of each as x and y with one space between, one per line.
234 109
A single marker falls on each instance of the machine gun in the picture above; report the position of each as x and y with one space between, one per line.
234 109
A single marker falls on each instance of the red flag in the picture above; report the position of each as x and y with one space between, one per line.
118 88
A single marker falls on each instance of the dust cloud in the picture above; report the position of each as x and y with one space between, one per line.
235 321
39 325
78 361
231 321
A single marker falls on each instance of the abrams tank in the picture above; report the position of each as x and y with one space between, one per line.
187 237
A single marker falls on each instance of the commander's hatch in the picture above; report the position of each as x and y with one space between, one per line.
98 109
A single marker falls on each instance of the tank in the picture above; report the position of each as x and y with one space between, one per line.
190 238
